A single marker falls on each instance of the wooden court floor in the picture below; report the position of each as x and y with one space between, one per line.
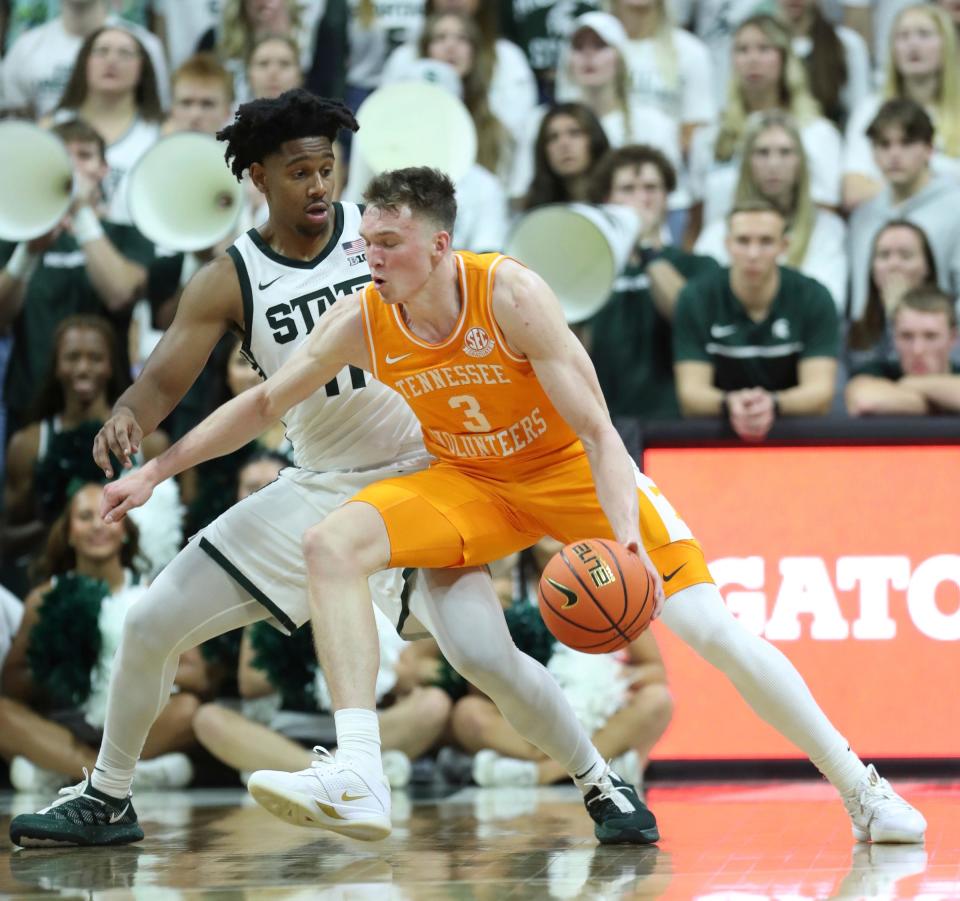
785 841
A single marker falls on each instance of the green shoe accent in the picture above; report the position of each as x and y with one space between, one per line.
620 816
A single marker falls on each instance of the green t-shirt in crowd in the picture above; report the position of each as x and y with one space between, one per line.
891 369
631 343
710 325
540 28
57 289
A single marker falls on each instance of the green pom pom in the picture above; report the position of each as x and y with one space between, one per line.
67 461
289 662
529 632
65 642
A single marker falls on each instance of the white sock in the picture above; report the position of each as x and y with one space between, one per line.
842 767
358 736
586 778
114 782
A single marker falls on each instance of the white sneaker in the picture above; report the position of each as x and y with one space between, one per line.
491 770
332 793
397 768
173 770
879 814
26 776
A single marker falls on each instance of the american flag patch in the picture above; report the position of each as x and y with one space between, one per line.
355 246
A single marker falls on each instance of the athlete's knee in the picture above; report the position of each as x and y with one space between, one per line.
490 669
351 539
147 630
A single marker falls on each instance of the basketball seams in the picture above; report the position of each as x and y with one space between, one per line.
556 612
623 582
597 604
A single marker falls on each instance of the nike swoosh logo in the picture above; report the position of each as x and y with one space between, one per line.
389 360
667 578
263 287
116 817
571 596
722 331
346 797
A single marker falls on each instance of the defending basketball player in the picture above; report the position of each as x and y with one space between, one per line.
510 406
276 284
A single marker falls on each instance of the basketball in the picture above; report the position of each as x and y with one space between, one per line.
595 596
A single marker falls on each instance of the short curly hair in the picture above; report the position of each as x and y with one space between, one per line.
261 126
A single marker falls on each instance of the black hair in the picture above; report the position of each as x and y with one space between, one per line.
261 126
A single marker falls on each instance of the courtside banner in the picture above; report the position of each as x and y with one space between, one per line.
848 560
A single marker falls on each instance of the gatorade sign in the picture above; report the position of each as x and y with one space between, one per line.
848 560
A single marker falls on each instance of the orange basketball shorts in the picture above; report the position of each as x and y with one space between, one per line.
446 516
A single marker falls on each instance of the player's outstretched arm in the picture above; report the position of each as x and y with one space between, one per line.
210 304
336 342
530 317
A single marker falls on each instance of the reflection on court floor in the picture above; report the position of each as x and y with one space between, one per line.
758 841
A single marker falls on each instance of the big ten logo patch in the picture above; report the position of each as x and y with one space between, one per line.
600 573
477 343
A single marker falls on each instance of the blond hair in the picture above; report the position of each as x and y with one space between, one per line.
801 215
946 108
236 37
794 90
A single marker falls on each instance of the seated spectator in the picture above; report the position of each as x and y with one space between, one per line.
538 30
273 67
56 676
629 339
83 380
924 67
622 699
287 708
774 168
903 140
766 77
670 69
836 58
512 94
38 66
181 24
569 144
84 265
921 380
758 340
901 261
202 96
113 87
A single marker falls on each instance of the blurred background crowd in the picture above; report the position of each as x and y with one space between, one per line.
795 169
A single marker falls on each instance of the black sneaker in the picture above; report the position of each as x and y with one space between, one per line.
80 816
620 816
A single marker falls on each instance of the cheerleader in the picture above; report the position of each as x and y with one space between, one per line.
56 674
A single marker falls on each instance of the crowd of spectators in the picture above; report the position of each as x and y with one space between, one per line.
795 169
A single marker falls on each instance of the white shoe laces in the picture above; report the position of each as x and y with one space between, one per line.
878 793
72 792
609 791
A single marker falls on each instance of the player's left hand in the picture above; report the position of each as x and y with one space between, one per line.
658 596
119 497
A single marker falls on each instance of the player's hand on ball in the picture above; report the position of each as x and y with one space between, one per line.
121 436
119 497
658 595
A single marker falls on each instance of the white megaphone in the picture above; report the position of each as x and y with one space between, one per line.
182 194
578 250
416 123
36 179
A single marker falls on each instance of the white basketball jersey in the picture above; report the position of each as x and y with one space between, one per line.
354 422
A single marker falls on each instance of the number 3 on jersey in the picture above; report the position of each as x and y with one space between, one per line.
474 420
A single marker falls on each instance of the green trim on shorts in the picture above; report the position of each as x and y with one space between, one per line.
248 586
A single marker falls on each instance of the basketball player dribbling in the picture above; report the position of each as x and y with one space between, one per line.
510 407
274 286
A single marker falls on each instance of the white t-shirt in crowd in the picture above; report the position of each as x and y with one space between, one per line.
858 155
397 22
186 21
38 66
715 183
825 259
11 613
686 96
883 14
122 156
513 88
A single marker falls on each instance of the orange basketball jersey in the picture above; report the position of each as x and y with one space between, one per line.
480 405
